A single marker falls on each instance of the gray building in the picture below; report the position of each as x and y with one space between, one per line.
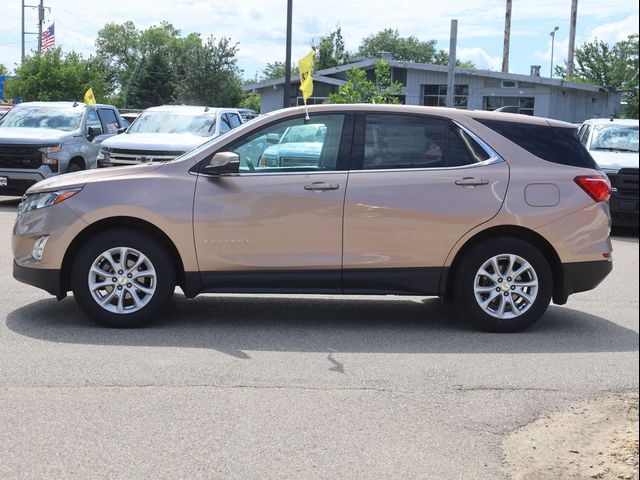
426 84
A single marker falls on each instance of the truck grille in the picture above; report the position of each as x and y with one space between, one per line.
298 161
625 181
121 156
16 156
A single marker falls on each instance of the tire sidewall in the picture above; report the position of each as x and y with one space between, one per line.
465 280
151 248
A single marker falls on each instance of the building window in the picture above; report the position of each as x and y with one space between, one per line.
523 105
436 96
311 100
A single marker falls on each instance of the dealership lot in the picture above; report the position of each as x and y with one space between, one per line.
295 387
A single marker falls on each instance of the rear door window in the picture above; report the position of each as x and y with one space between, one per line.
395 141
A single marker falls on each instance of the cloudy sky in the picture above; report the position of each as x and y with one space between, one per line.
259 26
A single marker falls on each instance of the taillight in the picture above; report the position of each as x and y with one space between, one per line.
597 187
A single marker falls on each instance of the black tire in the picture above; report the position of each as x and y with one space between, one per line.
73 167
156 275
509 292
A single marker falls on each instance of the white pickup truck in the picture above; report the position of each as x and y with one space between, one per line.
166 132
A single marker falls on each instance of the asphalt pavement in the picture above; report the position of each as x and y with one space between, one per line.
295 387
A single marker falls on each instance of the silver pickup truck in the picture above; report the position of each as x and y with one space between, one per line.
42 139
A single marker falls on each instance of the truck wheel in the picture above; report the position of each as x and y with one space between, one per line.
503 285
73 167
122 278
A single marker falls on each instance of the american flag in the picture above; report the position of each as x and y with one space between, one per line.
48 39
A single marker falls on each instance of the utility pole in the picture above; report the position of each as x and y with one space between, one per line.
553 40
572 36
452 62
40 22
507 38
40 8
286 101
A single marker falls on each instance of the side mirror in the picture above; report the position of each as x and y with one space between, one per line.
121 130
223 163
93 132
273 138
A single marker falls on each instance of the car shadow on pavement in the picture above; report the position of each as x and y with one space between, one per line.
9 204
235 324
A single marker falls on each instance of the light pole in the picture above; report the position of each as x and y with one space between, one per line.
553 39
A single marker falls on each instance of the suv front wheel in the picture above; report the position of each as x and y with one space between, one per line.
503 284
122 278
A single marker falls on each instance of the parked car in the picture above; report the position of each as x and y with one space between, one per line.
487 220
248 114
166 132
4 109
39 140
130 116
300 145
613 143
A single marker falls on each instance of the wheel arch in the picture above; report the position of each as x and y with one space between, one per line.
77 160
118 223
522 233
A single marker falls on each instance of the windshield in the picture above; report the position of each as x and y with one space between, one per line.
304 133
622 138
174 122
55 118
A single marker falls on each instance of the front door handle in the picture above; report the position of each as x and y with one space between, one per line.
471 182
321 186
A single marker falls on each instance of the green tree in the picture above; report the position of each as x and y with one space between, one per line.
151 83
598 63
275 70
409 49
3 70
359 89
118 47
212 76
331 51
58 76
252 101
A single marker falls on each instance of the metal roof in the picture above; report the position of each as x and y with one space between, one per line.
324 76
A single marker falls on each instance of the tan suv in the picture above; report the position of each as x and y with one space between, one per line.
497 214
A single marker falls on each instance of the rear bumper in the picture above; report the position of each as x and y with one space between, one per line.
581 277
46 279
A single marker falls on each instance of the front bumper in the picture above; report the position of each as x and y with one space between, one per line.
623 203
46 279
19 181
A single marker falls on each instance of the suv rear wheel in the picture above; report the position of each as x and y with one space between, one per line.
122 278
503 284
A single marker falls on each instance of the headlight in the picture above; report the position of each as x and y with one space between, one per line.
35 201
47 159
52 149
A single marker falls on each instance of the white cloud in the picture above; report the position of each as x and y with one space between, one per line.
615 31
480 58
259 25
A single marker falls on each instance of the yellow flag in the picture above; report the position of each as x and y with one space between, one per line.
89 97
305 65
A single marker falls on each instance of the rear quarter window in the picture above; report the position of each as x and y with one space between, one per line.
554 144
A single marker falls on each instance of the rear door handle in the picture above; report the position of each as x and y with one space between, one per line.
321 186
471 182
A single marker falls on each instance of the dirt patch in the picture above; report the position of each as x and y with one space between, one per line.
598 439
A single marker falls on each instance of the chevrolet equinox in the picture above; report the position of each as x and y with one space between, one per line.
498 214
